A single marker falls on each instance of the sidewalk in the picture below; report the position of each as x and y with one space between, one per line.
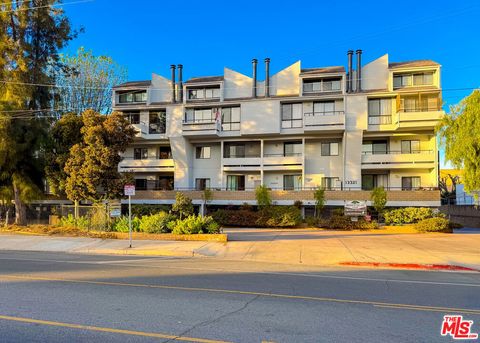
308 247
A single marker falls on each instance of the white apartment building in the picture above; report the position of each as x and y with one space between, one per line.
345 130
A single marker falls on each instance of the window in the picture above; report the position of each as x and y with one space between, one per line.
410 147
202 184
128 97
231 118
375 147
408 80
141 184
380 111
291 116
157 122
292 182
234 150
235 182
203 93
165 153
164 183
329 183
329 149
203 152
322 85
132 117
200 115
410 183
419 103
371 181
324 108
292 149
140 153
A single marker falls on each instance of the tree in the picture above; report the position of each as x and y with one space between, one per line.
460 135
31 34
262 195
87 81
64 134
319 196
448 187
183 206
207 195
379 200
91 167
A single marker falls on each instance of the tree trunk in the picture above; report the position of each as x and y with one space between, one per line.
7 214
20 208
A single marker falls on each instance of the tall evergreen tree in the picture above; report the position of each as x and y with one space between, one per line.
31 34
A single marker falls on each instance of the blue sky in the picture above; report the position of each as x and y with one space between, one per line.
148 35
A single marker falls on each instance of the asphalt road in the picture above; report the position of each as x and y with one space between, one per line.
52 297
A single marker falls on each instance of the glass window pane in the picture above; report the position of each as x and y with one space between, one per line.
418 79
235 114
334 149
316 86
329 107
336 85
308 87
406 148
428 79
397 81
374 107
407 80
286 112
286 124
297 111
216 93
415 147
325 149
319 107
327 85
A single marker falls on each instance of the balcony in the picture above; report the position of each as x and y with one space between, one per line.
398 160
382 122
395 197
242 162
292 161
129 164
324 121
421 116
201 128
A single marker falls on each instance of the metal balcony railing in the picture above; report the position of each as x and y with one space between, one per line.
396 152
324 113
382 119
431 108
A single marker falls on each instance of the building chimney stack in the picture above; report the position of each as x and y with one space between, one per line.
359 70
180 82
172 67
350 71
254 83
267 77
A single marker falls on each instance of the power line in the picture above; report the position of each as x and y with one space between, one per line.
46 6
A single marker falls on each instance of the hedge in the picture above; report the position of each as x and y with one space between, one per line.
407 215
437 224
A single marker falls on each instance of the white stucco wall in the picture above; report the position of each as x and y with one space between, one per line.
260 117
236 85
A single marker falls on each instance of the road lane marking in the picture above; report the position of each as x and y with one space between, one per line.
439 283
109 330
428 309
230 291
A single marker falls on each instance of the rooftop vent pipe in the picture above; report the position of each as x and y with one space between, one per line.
267 77
350 71
180 82
254 83
172 67
359 70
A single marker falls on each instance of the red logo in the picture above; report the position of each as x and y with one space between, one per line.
458 328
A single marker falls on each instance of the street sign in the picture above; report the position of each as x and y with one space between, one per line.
116 212
129 190
355 208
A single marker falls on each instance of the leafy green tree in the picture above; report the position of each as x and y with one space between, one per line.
64 134
31 34
379 200
460 134
91 167
86 82
262 195
319 196
183 206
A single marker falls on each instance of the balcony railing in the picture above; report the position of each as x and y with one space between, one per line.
324 113
396 152
200 121
156 185
242 156
383 119
287 154
431 108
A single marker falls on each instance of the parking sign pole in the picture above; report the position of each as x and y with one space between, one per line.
130 219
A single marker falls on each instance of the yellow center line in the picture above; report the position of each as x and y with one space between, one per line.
271 295
109 330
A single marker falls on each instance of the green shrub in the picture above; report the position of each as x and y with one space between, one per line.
194 225
70 221
280 216
121 224
140 210
156 223
408 215
312 221
437 224
345 223
262 195
241 218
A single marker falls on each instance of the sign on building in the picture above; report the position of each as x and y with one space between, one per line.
129 190
355 208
